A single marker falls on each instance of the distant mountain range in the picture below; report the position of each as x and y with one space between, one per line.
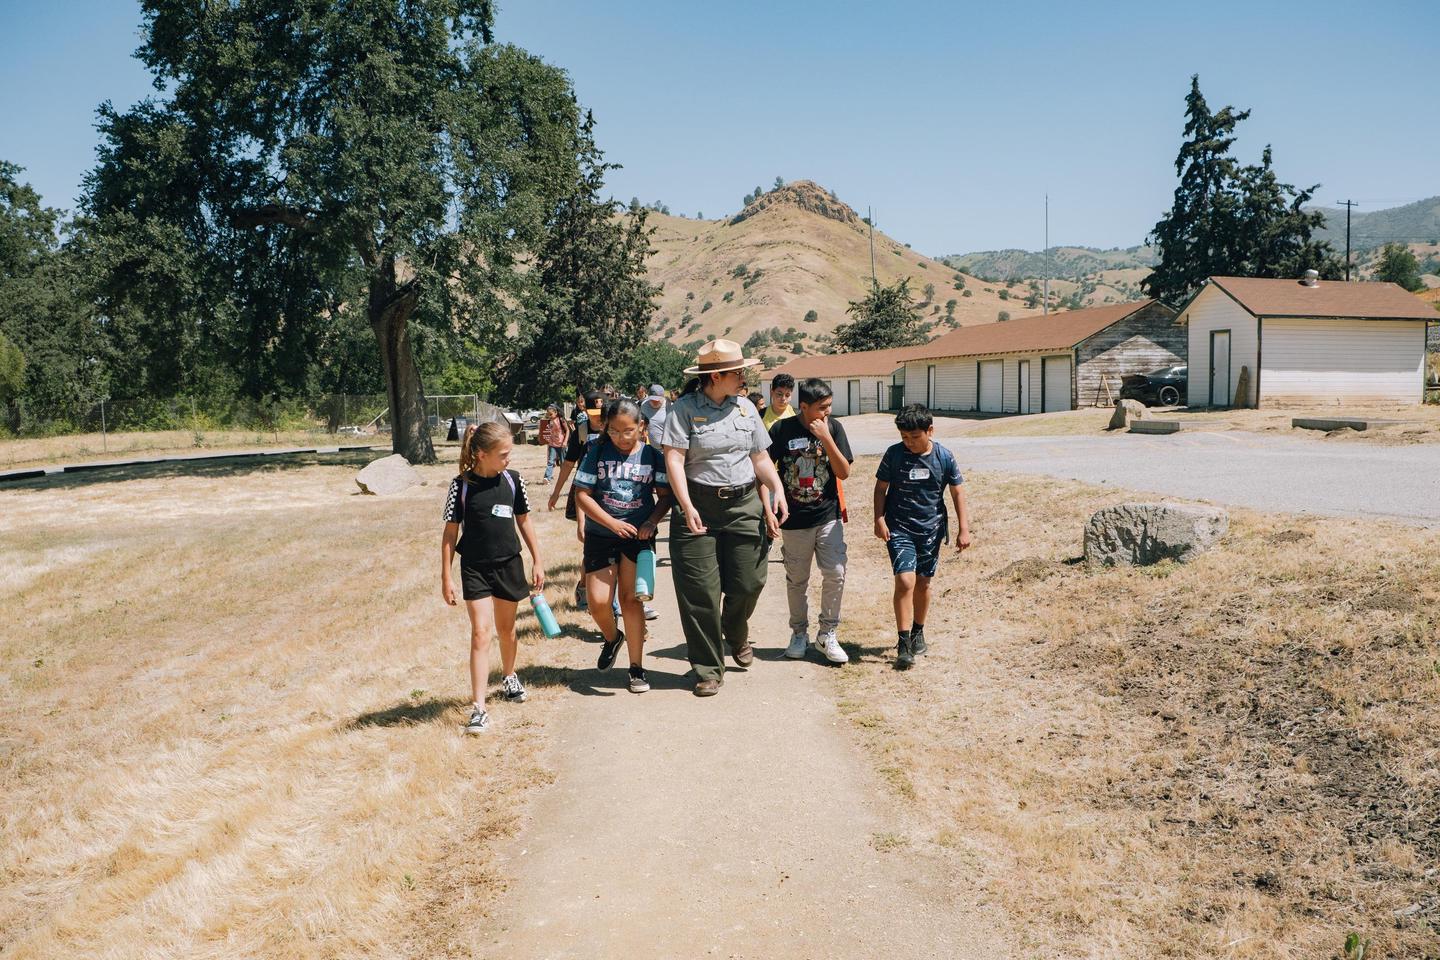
1417 223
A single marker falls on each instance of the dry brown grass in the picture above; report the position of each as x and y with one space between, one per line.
89 447
229 720
1238 757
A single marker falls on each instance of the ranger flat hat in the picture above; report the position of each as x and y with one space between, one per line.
718 356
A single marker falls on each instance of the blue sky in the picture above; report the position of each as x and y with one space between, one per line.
951 119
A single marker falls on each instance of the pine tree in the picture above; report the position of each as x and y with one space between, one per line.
886 318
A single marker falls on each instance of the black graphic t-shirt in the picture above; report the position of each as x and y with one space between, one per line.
488 514
804 469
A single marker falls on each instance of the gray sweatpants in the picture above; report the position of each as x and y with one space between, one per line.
826 544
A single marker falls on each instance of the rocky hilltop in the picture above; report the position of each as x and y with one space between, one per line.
806 195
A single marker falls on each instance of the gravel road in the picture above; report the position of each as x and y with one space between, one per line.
1262 471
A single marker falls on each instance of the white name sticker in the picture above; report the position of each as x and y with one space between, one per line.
799 443
503 510
920 473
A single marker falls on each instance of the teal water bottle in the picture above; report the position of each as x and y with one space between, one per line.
545 615
645 576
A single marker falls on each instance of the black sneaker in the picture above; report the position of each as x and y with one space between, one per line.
905 656
638 682
610 650
917 641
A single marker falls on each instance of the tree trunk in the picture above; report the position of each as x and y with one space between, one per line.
389 313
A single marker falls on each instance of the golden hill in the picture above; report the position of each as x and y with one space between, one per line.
794 250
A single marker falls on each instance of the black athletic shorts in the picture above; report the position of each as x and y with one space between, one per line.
602 551
505 580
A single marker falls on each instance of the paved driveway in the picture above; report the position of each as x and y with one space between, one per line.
1267 472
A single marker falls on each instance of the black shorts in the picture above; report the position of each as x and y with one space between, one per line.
504 580
602 551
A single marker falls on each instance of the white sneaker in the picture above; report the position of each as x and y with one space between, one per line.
829 645
798 643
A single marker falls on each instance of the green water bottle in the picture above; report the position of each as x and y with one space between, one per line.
645 576
545 615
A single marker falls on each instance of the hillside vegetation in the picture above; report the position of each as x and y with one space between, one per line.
782 272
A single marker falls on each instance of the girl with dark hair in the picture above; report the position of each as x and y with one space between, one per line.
490 501
622 490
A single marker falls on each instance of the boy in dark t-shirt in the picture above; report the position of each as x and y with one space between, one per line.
910 486
812 455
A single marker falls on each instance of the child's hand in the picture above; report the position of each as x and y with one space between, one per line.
625 531
554 498
962 542
646 531
447 591
537 579
820 429
882 530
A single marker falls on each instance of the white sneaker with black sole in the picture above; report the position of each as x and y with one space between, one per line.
512 690
479 721
651 613
829 645
798 643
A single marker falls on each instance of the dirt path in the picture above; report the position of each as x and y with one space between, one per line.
747 825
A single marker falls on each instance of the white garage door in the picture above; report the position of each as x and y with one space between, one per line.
992 393
1353 360
1057 383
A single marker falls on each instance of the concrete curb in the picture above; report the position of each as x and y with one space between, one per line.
31 473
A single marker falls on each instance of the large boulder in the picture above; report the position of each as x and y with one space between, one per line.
1125 411
387 475
1139 534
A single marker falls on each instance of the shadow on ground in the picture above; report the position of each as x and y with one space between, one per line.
409 714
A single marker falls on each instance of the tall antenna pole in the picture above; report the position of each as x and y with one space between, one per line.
1347 204
870 220
1046 311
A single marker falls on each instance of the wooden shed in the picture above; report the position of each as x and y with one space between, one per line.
1041 364
1305 342
861 382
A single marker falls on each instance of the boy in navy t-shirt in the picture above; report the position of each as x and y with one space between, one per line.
910 517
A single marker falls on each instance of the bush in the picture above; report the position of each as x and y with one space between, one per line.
966 293
921 263
1004 315
1004 294
811 316
706 306
740 271
690 295
729 295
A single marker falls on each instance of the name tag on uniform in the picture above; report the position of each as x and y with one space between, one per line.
799 443
919 473
698 419
503 510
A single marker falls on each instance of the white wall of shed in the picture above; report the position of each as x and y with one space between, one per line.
1214 310
1329 360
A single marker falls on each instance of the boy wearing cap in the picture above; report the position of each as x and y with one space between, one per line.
654 409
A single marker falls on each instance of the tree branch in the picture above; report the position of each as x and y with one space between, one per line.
272 213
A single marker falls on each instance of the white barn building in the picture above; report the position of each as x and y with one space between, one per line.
1040 364
861 382
1305 342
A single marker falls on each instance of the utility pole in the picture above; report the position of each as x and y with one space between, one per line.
870 220
1347 204
1046 311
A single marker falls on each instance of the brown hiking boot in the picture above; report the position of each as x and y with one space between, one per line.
743 655
707 688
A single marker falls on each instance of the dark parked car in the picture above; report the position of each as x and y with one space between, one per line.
1165 387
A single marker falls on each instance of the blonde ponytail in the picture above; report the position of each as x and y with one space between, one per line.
467 450
479 437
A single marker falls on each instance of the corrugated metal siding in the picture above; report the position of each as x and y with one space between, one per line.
1214 310
1326 360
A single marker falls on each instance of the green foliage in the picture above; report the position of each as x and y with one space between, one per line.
657 361
950 307
886 318
740 270
1355 947
729 295
706 306
1398 265
1003 316
929 291
967 293
690 295
1004 294
12 370
1226 219
753 278
811 316
779 182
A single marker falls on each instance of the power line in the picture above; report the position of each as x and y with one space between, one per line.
1347 204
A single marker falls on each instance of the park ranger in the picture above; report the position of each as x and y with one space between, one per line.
715 448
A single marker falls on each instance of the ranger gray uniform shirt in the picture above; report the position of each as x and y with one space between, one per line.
718 439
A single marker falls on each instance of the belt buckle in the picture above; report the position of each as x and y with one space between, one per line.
728 493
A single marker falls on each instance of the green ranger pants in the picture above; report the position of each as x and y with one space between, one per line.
718 576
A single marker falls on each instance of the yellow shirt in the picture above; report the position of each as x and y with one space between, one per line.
770 416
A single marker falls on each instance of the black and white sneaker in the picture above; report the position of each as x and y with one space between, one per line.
479 721
610 650
917 641
638 681
512 690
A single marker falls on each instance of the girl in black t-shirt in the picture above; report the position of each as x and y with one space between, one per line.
491 501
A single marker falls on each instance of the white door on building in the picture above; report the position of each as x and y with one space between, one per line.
992 386
1024 386
1055 382
852 397
930 397
1219 368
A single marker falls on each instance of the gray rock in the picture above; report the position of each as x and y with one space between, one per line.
386 476
1139 534
1125 411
